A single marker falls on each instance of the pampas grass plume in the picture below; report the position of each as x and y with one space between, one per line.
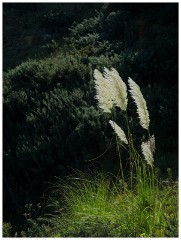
118 87
140 103
120 133
148 148
103 92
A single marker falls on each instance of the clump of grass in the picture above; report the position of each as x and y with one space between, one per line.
95 205
87 201
147 207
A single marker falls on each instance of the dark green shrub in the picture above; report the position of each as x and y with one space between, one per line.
51 126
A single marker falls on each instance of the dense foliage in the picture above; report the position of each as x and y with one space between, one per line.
51 122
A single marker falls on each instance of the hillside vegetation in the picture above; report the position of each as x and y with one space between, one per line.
52 124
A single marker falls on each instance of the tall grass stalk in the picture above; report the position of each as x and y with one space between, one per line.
145 183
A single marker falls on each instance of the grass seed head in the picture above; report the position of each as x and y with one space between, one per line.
120 133
140 103
148 148
118 87
103 92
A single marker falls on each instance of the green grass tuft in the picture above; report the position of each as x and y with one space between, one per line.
95 205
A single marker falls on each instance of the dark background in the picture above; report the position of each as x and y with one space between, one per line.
51 122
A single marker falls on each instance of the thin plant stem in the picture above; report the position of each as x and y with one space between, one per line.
130 145
119 155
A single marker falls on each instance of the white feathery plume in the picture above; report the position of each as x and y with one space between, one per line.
103 92
121 135
152 144
140 103
148 148
119 94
